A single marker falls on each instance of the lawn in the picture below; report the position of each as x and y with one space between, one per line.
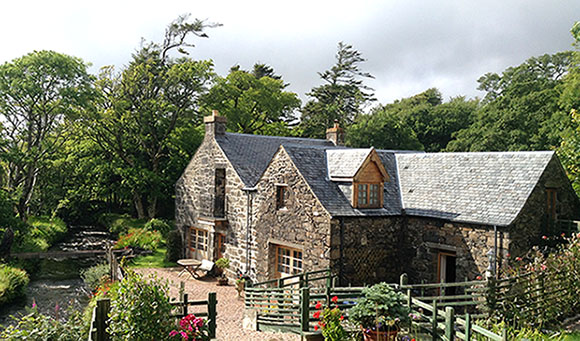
154 260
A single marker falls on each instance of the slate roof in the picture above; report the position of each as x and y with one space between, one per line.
345 162
482 188
489 188
310 161
250 154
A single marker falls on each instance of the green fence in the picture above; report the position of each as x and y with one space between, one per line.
291 308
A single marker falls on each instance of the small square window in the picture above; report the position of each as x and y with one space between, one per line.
368 195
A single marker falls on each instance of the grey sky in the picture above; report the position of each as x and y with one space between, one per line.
410 45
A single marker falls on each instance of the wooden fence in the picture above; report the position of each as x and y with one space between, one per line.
291 309
300 280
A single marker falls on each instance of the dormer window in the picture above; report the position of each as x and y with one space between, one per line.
368 195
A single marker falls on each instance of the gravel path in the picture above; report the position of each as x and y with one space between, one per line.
230 308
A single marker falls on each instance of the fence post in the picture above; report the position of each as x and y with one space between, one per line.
491 294
184 304
450 323
434 321
467 326
301 278
212 313
280 282
410 304
103 307
304 309
327 295
328 278
403 280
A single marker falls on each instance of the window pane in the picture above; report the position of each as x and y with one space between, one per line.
362 194
374 197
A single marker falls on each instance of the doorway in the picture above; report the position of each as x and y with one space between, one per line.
446 271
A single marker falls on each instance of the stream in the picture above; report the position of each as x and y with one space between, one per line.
55 284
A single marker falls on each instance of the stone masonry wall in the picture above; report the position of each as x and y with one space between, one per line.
529 226
303 224
425 238
195 192
370 249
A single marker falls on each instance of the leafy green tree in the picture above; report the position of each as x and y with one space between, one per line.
143 111
569 150
521 108
39 93
342 97
254 102
382 129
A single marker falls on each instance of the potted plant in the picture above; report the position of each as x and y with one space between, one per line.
380 312
222 264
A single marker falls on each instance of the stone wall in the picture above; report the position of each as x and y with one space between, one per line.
195 197
529 226
302 224
366 250
425 238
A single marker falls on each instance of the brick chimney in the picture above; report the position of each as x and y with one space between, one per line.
335 134
215 124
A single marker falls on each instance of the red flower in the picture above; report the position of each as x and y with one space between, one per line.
318 305
563 235
316 315
341 317
315 327
544 237
518 258
478 278
334 299
508 255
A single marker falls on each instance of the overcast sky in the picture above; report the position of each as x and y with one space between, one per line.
409 45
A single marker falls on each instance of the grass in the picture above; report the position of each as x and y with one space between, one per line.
154 260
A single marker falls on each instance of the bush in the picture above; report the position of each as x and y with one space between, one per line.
140 309
174 246
96 275
148 240
36 326
382 306
13 283
159 225
119 223
42 232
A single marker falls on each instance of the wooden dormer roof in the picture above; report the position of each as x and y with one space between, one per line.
355 164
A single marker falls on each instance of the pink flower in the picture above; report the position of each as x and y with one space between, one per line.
183 335
543 267
544 237
563 235
478 278
173 333
508 255
518 258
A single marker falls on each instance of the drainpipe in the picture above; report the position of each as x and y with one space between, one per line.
249 191
341 249
495 251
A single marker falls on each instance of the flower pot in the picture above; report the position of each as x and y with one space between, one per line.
222 281
373 335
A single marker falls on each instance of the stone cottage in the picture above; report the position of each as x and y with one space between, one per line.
276 206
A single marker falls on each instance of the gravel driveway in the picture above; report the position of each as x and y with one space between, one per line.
230 308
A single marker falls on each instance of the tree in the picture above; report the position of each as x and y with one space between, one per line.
342 97
382 129
143 109
569 150
254 102
521 108
38 94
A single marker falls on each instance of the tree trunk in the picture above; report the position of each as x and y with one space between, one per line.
152 209
138 201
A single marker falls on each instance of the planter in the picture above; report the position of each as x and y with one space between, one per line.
222 281
373 335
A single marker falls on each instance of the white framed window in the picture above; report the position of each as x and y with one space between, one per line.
198 243
288 261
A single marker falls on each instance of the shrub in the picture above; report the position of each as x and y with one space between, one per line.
13 283
158 225
96 275
380 307
42 232
148 240
330 322
119 223
36 326
140 309
174 246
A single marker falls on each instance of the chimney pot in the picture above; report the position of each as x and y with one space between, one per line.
335 134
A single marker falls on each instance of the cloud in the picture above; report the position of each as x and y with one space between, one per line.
410 45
